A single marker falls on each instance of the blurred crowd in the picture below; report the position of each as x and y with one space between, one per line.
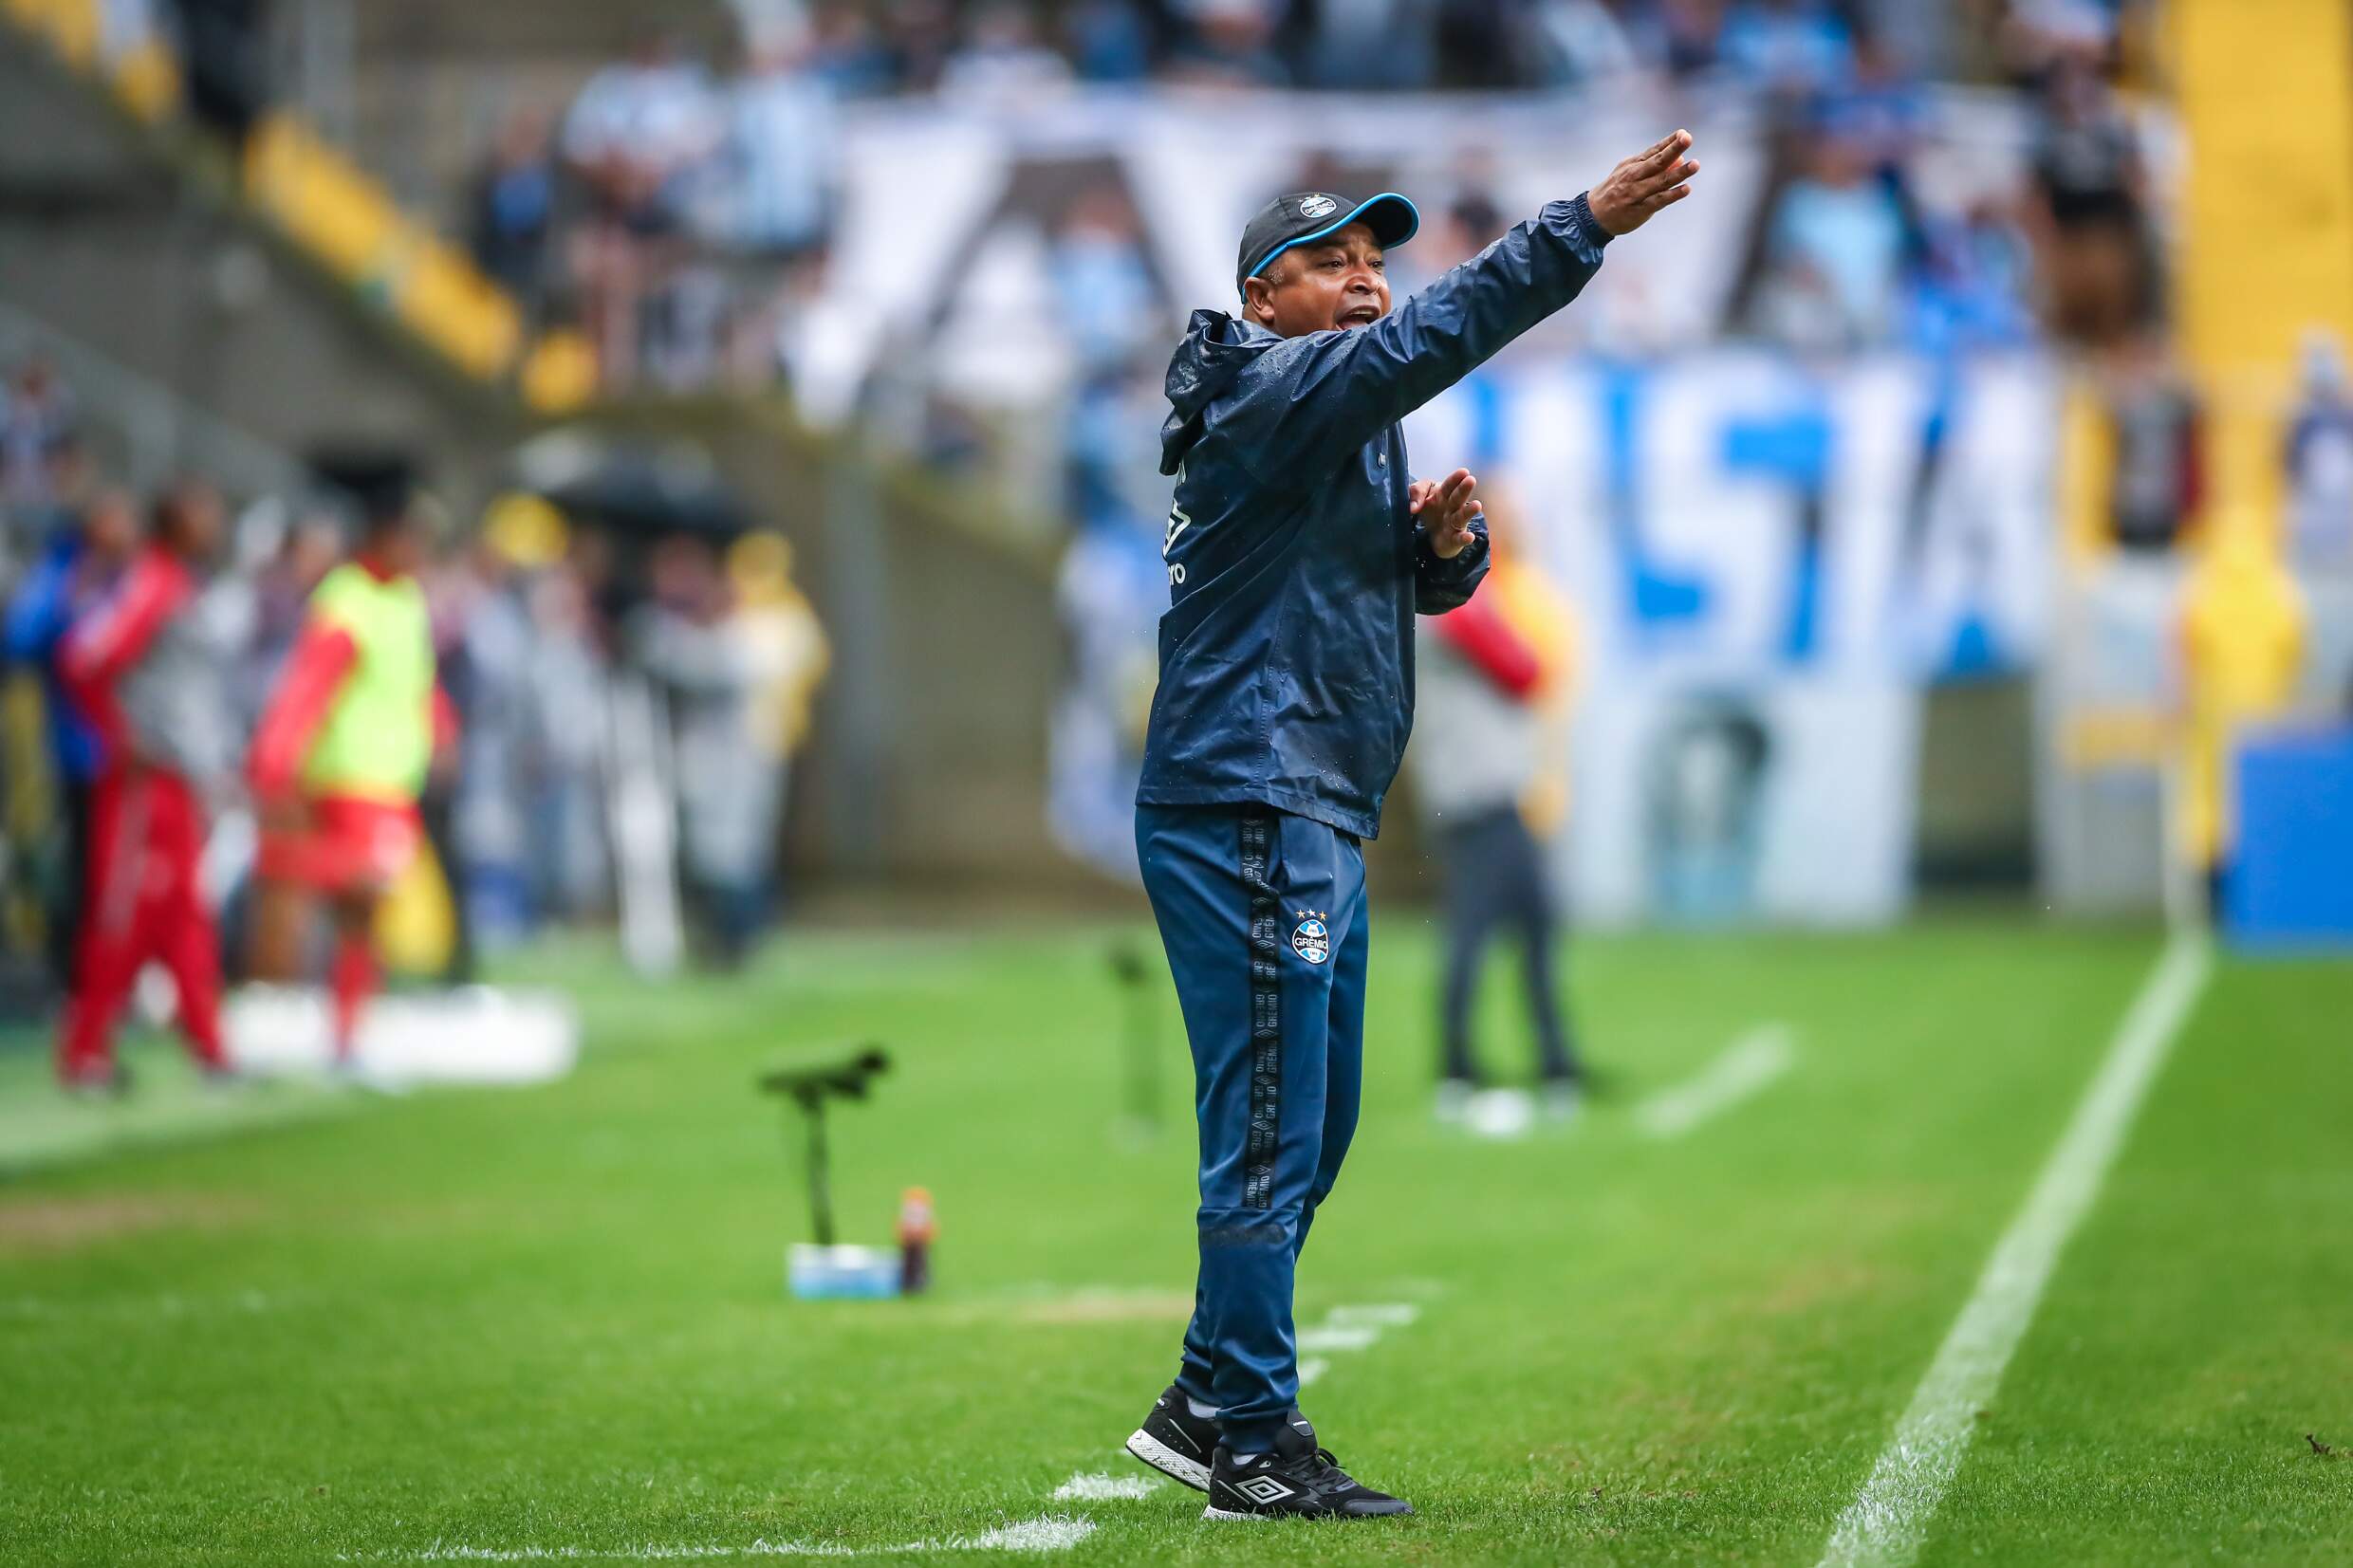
535 621
681 214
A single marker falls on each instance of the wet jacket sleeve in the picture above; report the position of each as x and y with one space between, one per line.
1442 585
1341 388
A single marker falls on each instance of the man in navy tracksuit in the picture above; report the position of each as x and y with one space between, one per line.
1298 554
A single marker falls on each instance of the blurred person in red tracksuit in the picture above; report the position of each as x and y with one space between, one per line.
341 753
149 671
1490 775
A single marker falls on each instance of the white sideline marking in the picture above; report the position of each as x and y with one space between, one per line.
1888 1520
1746 1065
1050 1532
1348 1329
1102 1486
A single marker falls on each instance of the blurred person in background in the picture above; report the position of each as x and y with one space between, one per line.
2319 460
637 138
1000 57
1109 39
783 160
1579 43
2090 211
36 421
1226 44
312 546
1834 247
514 208
1494 680
2242 636
72 577
2158 480
483 641
225 56
1100 273
343 752
735 653
1787 45
152 674
1370 43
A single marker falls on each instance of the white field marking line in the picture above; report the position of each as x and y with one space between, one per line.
1350 1329
1102 1486
1888 1520
1745 1066
1050 1533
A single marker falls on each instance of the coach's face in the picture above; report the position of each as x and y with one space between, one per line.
1332 283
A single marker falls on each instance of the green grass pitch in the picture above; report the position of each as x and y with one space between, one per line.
551 1322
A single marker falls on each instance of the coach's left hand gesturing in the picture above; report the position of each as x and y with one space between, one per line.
1642 184
1446 507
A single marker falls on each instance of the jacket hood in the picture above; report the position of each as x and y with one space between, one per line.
1215 350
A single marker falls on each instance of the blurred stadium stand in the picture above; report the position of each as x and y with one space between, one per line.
1877 487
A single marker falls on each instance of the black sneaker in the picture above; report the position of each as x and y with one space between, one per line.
1175 1441
1296 1481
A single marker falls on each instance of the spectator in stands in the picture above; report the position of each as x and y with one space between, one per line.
36 419
637 136
782 147
151 671
74 575
1000 57
850 54
1787 45
1371 43
1109 39
2097 259
223 47
1834 249
1109 305
1227 44
2319 460
2158 482
1579 43
513 207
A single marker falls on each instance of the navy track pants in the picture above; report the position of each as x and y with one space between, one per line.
1264 917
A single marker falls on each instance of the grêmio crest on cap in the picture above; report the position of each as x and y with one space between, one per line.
1317 207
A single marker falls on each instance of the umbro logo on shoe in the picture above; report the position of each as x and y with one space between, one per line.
1263 1488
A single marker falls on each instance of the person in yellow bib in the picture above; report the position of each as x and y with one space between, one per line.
343 747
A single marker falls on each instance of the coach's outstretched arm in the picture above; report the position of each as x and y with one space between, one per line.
1346 385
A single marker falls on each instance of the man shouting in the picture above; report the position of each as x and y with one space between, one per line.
1298 554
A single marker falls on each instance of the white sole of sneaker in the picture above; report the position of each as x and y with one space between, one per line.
1213 1511
1167 1461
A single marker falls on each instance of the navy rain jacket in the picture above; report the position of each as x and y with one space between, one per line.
1287 654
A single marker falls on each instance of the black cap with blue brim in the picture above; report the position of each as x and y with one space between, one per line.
1306 216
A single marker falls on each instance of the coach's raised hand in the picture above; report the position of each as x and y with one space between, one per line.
1446 508
1642 184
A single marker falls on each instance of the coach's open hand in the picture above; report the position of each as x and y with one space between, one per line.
1642 184
1446 507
